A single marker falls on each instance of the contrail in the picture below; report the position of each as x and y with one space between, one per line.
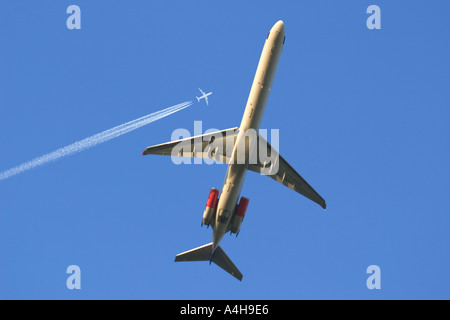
94 140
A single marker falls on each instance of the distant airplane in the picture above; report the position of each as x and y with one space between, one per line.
224 213
204 96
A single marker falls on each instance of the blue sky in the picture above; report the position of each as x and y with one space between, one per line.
363 117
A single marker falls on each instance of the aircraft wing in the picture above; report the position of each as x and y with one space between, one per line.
217 146
286 175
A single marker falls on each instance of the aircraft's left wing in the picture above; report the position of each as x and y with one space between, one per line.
217 146
282 172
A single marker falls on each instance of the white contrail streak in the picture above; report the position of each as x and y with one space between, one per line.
94 140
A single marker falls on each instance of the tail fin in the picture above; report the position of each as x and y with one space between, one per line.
205 253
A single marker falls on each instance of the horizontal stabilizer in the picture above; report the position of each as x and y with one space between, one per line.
204 253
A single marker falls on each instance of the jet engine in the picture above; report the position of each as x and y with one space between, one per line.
239 214
211 207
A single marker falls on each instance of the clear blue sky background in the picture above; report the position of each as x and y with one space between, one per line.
363 116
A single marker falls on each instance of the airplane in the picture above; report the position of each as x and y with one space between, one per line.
204 96
224 213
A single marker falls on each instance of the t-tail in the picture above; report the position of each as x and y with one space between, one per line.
206 253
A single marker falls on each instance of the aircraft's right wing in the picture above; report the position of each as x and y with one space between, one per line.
286 175
216 146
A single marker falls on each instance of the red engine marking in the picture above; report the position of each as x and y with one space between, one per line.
213 198
242 207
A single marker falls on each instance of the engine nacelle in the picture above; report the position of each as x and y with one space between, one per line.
211 207
239 214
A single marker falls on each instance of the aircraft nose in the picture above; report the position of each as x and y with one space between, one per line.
279 27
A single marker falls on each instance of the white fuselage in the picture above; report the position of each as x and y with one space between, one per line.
251 120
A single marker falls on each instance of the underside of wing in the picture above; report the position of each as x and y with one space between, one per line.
281 171
216 146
